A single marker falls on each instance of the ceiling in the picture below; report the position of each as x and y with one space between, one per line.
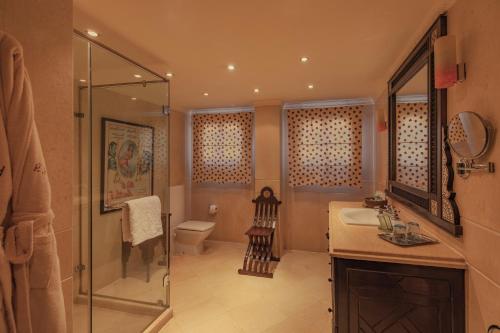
350 44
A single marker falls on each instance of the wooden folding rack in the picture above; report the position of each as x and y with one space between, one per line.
259 257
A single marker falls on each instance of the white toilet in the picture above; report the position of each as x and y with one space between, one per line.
190 235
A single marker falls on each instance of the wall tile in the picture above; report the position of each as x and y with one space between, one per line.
64 249
267 142
475 23
235 213
67 286
483 307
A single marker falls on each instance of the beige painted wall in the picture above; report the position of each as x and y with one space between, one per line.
235 210
177 172
267 152
267 156
48 56
475 23
177 148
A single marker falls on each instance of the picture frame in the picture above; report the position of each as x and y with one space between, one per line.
127 163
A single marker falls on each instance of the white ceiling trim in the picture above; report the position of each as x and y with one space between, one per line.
237 109
328 103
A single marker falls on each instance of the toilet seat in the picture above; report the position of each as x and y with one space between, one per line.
196 225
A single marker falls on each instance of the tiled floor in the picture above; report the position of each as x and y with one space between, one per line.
207 294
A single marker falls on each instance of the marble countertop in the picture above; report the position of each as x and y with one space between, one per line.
362 243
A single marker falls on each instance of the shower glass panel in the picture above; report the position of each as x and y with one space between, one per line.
81 188
122 155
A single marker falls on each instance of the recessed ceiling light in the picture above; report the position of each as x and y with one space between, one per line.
310 86
231 67
137 76
133 98
256 90
92 33
304 59
83 80
205 94
169 74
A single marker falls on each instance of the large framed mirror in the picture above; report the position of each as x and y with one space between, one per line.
420 166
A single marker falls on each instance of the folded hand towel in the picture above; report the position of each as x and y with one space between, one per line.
141 219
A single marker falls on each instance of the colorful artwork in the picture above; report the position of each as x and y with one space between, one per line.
127 163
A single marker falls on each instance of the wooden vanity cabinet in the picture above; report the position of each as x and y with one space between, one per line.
394 298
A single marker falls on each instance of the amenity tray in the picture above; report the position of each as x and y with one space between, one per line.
420 240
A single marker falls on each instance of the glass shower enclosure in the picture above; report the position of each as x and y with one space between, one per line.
121 148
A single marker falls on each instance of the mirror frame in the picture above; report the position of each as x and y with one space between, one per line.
437 204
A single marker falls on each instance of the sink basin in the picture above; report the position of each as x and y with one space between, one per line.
359 216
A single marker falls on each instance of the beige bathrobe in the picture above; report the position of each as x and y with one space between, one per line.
32 300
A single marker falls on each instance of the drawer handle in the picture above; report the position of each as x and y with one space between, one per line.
327 235
330 310
330 280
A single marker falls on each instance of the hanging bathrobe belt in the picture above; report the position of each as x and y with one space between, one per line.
19 236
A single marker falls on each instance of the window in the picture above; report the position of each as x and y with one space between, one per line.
222 148
324 147
412 148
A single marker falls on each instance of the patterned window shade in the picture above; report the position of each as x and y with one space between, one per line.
324 147
222 148
412 146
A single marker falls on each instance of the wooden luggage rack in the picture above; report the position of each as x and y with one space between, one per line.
259 256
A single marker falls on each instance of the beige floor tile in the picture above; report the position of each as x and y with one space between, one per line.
199 313
256 316
295 300
220 324
208 295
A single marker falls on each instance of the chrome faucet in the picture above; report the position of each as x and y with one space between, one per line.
391 211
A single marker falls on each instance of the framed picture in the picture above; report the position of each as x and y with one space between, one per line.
126 163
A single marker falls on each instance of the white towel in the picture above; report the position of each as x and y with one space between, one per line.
141 219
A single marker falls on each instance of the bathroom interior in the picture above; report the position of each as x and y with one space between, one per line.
276 167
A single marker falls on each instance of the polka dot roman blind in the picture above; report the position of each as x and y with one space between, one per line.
222 148
324 147
412 145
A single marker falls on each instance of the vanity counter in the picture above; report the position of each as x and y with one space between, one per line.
362 243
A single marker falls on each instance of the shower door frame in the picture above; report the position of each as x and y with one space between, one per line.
89 294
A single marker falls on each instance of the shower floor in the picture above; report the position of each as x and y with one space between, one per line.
108 321
208 295
135 287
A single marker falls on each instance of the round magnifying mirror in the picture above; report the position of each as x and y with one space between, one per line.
468 135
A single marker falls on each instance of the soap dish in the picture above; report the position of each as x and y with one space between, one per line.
405 242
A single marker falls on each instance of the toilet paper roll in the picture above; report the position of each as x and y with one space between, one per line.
212 209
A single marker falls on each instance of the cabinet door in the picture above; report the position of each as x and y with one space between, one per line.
392 298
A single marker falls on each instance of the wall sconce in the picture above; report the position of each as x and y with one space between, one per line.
446 70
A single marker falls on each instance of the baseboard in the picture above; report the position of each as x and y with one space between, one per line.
160 321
